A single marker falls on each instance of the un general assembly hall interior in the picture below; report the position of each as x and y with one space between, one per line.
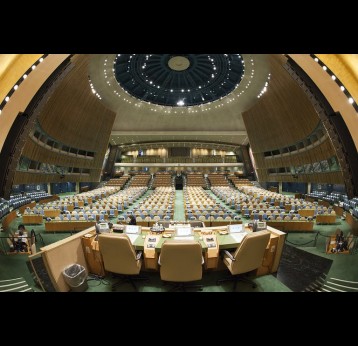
178 172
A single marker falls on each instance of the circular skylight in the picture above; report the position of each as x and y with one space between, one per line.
179 79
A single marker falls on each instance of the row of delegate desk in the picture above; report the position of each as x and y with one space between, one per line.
286 226
204 236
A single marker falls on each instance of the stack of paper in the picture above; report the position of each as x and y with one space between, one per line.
132 237
238 236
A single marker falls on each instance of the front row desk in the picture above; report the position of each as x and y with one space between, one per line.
82 248
212 239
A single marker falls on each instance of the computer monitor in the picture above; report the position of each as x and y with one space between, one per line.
183 231
261 225
237 228
102 227
132 229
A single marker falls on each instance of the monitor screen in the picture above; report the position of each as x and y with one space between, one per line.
261 225
235 228
183 231
132 229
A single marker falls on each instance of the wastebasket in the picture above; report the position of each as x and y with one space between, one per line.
76 277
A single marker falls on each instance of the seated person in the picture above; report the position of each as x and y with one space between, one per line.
21 242
341 243
132 220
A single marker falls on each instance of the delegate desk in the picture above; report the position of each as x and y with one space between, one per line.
287 226
211 252
328 219
30 219
52 213
306 212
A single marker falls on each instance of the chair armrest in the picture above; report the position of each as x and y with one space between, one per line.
227 253
139 255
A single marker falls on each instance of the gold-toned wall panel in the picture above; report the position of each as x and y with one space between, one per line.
38 153
330 89
26 92
345 67
74 115
12 67
321 152
283 115
76 118
322 178
37 178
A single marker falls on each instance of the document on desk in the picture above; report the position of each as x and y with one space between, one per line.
132 237
239 236
184 238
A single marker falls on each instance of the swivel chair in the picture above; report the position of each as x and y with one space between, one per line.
181 262
119 257
247 257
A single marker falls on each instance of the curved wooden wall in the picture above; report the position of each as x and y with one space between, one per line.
318 153
75 117
282 117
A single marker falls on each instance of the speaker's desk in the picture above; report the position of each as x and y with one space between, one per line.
211 253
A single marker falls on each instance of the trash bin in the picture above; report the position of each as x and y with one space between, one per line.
76 277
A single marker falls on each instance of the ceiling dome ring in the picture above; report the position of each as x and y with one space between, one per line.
179 79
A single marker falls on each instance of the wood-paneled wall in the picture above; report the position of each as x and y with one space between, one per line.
37 178
75 117
282 117
319 178
318 153
38 153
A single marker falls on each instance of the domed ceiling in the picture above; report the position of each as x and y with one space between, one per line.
178 97
179 80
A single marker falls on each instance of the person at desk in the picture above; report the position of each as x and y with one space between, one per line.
341 243
21 242
132 220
